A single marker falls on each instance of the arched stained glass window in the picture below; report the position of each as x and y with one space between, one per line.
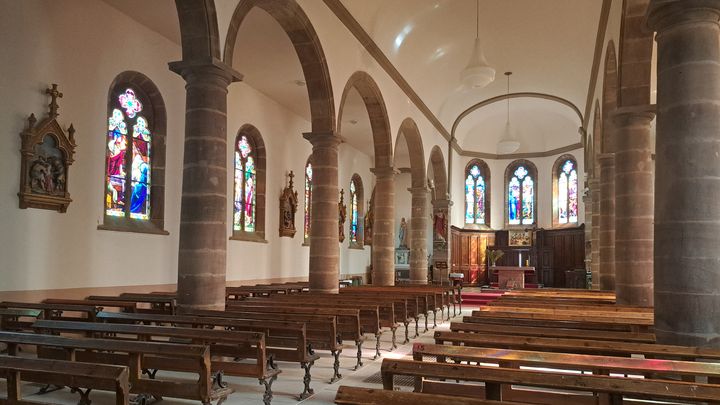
244 204
353 212
127 176
521 194
357 226
567 191
476 193
308 199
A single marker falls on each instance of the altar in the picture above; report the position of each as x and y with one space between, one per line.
511 276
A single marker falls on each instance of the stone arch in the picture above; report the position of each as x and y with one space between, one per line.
150 96
439 174
256 140
485 171
591 162
409 130
198 29
379 120
555 189
636 50
609 97
533 172
299 29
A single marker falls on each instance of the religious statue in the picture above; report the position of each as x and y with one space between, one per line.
288 208
47 153
342 214
369 217
440 228
402 235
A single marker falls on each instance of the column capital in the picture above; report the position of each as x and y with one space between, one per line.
663 14
323 139
418 190
640 114
190 69
442 203
383 172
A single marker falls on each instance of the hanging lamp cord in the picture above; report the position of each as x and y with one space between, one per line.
508 99
477 19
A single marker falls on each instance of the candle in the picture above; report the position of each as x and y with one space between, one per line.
520 259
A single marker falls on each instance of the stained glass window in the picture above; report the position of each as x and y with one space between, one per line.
521 197
244 201
353 212
475 196
308 198
567 198
122 185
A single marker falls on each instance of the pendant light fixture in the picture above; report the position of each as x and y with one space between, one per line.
477 74
508 143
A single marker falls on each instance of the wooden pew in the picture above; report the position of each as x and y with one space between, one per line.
511 329
586 312
435 299
347 320
370 318
493 377
561 306
11 318
601 320
415 305
139 357
158 304
593 347
371 396
77 375
223 343
56 311
279 334
97 304
489 319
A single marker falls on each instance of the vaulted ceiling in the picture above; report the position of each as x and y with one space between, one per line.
548 45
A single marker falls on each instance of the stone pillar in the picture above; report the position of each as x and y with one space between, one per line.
634 206
441 245
418 236
594 184
383 243
203 210
324 248
687 180
607 221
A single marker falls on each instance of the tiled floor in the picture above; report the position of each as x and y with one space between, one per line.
289 384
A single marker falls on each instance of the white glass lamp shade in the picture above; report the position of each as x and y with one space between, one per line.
508 143
477 74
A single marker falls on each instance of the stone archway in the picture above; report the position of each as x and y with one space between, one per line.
324 249
299 29
383 228
441 203
410 135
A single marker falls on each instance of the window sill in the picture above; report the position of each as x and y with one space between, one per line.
356 246
566 226
248 237
133 227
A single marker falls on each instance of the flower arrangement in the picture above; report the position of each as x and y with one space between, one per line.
494 256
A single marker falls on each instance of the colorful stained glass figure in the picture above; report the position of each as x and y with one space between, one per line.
244 201
568 193
474 196
117 177
308 198
130 103
521 198
353 212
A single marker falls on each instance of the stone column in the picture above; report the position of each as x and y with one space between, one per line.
634 206
687 180
594 184
418 236
383 243
203 209
324 248
607 221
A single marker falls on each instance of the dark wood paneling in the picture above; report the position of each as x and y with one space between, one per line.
567 250
468 254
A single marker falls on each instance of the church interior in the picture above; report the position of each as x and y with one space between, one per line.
360 202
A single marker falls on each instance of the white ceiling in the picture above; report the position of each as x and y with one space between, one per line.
548 45
355 124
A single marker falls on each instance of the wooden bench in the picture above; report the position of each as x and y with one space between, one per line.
431 299
11 318
283 338
139 357
371 396
594 347
414 306
235 345
76 375
97 304
370 319
56 311
347 320
562 306
158 304
494 378
552 332
600 320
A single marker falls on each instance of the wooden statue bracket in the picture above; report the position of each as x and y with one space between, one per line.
45 166
342 215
